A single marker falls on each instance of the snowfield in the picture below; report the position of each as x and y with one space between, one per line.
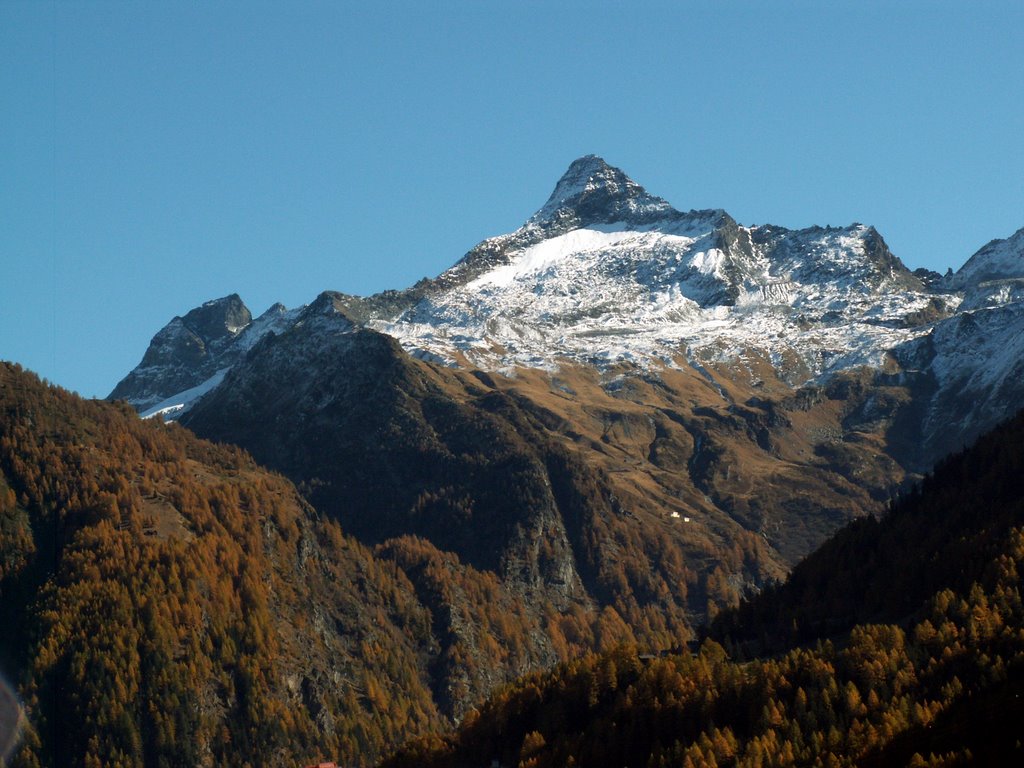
605 294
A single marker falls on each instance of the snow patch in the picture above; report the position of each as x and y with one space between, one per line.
176 405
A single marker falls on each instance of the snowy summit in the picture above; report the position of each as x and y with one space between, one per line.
605 272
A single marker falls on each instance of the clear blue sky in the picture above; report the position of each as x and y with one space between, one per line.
156 155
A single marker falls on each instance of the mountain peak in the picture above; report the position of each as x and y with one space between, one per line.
186 352
591 191
219 318
587 168
997 260
329 303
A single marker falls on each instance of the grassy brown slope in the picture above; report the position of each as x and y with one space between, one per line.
735 458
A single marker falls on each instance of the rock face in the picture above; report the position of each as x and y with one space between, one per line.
619 405
185 352
190 354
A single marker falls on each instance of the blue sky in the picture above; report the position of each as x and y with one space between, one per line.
157 155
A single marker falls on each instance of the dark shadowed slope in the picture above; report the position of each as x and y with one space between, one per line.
936 678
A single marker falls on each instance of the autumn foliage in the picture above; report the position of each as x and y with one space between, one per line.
901 642
166 602
157 598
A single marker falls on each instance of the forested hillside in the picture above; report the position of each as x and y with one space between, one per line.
943 534
901 642
166 602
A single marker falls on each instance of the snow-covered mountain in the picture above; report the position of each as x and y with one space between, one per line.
605 274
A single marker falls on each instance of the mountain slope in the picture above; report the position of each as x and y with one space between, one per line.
944 534
143 565
936 678
661 497
169 602
390 446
